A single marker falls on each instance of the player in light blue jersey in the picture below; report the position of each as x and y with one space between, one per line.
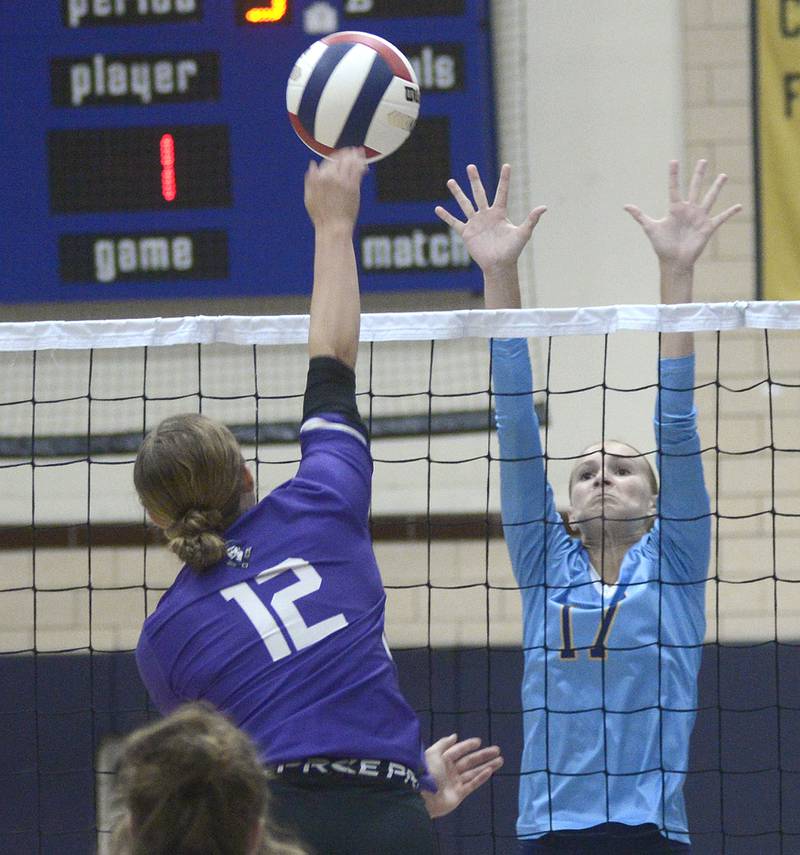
614 618
277 618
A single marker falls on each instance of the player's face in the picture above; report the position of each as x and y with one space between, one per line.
611 482
248 498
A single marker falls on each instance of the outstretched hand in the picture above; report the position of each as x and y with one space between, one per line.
333 188
492 240
680 237
459 768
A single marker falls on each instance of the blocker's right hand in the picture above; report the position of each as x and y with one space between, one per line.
333 188
492 240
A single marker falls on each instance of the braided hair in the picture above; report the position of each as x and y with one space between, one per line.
189 477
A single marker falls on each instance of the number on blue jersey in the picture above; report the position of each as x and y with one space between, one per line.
598 648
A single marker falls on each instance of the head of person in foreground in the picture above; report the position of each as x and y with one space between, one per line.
193 784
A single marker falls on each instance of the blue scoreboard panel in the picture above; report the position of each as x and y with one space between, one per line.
147 152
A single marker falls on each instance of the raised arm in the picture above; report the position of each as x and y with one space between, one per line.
679 239
332 198
532 525
333 438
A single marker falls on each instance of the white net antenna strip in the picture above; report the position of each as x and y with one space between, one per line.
406 326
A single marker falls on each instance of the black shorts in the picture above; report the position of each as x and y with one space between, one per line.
352 817
611 838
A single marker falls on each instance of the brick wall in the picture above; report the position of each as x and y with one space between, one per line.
718 125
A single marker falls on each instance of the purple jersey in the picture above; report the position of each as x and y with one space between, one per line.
286 635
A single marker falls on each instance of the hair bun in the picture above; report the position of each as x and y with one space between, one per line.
195 537
196 521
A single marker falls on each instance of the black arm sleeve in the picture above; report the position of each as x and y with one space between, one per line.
331 388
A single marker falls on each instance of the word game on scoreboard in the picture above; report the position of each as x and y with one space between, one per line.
148 152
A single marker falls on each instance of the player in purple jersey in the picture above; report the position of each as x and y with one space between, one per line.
614 618
277 617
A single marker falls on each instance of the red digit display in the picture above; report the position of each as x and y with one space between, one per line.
169 188
137 168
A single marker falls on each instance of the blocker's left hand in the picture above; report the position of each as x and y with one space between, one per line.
458 768
680 236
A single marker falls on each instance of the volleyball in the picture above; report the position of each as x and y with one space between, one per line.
353 89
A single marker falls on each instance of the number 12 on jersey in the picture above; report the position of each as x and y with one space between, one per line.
282 619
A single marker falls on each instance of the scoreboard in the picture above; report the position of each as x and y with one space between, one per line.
147 152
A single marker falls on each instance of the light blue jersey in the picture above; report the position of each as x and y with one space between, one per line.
610 685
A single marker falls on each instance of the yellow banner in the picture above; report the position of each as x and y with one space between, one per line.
777 84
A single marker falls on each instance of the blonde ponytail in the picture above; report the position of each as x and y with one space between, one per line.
196 538
189 477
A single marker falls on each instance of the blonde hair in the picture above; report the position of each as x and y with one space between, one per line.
188 474
193 784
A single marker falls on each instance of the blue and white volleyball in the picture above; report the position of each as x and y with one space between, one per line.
353 89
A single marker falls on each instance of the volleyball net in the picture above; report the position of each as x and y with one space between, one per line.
81 569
